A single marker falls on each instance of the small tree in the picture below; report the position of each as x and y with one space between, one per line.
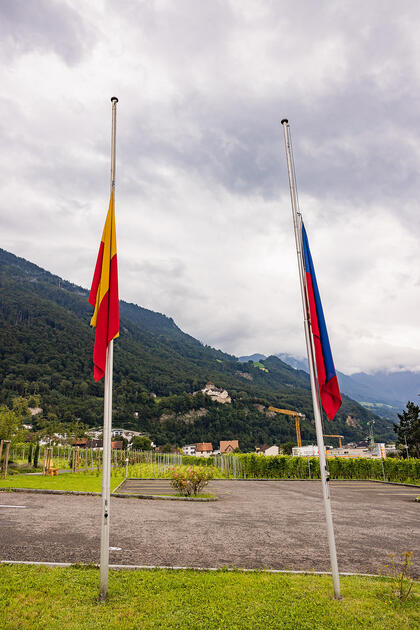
36 456
287 447
141 443
408 431
11 420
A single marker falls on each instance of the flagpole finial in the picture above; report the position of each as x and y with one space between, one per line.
114 99
285 120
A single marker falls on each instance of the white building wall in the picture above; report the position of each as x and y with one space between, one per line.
189 449
272 450
203 453
305 451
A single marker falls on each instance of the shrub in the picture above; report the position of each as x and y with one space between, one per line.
190 481
36 456
401 573
16 468
30 454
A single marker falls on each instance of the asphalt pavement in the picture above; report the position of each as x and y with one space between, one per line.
254 524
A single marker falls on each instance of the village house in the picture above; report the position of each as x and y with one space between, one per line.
88 443
127 434
189 449
203 449
267 450
228 446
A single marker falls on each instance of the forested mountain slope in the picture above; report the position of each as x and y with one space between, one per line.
46 347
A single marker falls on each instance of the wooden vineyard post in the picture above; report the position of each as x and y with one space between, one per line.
47 465
6 444
44 462
75 464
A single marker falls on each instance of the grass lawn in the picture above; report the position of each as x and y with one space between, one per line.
88 482
55 598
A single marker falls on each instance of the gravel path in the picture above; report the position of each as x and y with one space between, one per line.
255 524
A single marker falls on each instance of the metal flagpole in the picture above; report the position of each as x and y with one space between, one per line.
297 222
106 464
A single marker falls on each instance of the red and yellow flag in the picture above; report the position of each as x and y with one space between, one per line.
104 294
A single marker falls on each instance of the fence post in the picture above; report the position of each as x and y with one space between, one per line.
6 456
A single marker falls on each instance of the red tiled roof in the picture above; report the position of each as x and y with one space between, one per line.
228 445
204 447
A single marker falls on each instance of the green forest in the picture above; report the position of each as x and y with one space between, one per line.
46 350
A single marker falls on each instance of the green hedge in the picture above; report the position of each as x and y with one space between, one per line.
286 467
192 460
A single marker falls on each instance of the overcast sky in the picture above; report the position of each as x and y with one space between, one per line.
204 223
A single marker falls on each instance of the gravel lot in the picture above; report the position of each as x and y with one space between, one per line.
255 524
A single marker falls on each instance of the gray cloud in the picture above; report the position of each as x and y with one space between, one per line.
203 210
42 26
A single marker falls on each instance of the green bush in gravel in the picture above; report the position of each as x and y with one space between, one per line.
190 481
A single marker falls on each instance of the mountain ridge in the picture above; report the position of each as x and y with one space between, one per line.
46 349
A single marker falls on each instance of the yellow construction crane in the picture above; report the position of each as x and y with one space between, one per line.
340 437
296 416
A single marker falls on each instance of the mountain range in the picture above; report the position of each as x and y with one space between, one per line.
46 348
385 392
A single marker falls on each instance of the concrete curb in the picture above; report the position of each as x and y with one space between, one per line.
163 497
144 567
120 484
118 495
331 481
393 483
48 491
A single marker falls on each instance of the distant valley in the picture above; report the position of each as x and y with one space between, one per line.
384 392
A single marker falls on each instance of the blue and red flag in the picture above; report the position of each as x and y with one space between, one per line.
327 378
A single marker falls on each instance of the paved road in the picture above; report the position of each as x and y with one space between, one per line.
255 524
